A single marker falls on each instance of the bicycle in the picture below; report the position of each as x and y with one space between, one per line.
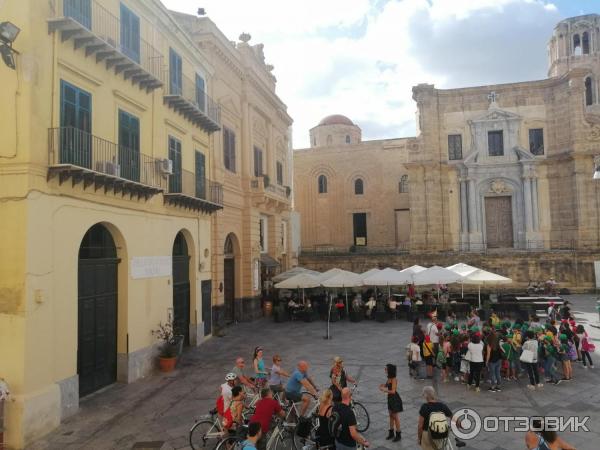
206 434
363 420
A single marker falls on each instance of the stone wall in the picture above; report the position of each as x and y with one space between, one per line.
572 270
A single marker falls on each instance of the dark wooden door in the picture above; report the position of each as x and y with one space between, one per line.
97 324
229 287
207 306
360 228
181 289
498 222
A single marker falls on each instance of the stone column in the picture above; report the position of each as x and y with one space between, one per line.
464 226
527 200
534 202
472 207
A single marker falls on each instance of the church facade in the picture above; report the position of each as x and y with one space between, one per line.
502 170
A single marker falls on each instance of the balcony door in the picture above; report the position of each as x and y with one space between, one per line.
129 146
175 73
130 34
200 173
175 156
76 126
80 10
201 93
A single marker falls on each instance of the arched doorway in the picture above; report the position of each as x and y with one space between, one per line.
229 278
181 288
97 310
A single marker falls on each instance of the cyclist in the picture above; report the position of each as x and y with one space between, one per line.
238 369
230 382
339 378
237 408
264 411
344 421
254 434
298 380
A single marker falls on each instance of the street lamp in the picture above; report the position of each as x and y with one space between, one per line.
8 33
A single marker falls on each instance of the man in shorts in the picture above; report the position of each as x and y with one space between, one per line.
298 380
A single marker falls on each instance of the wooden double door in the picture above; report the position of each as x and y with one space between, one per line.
499 222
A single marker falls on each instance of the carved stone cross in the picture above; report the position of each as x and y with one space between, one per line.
492 97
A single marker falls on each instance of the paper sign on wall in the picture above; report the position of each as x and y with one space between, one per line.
151 267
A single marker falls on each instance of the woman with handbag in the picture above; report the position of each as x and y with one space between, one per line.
529 358
475 358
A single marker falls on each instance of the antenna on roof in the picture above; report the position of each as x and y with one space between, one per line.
201 12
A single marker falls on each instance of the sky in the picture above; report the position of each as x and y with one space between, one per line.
361 58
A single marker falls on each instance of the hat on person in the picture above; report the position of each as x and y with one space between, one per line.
448 327
439 325
551 303
509 336
455 332
563 337
516 326
415 339
548 338
464 326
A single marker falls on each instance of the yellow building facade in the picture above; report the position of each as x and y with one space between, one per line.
253 161
106 200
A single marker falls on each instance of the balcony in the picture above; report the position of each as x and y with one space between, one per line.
83 158
264 193
99 33
194 104
195 193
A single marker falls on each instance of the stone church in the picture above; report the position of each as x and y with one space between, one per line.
499 175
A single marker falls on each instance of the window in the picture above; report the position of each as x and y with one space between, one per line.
129 146
258 162
76 126
403 185
576 45
283 237
200 172
585 43
589 91
263 241
322 182
130 34
358 187
359 222
348 139
454 147
200 93
496 143
175 74
279 166
229 149
175 156
536 141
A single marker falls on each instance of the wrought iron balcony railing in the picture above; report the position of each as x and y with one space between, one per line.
81 155
186 96
188 190
114 40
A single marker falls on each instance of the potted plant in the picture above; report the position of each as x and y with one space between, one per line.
168 351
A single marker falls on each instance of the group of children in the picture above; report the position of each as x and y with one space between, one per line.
504 347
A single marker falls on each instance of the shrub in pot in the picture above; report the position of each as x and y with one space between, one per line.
168 347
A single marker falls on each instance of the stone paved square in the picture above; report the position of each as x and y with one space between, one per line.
163 407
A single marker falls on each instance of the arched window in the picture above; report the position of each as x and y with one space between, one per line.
403 188
348 139
585 43
589 91
322 182
329 139
576 45
358 187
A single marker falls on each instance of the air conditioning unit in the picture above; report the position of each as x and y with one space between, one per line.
109 168
165 166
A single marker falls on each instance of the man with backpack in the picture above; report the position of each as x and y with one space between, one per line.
342 424
434 429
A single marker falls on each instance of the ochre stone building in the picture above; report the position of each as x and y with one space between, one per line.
504 170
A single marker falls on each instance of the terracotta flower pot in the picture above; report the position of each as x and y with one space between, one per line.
167 364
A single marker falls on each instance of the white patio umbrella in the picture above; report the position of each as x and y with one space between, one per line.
462 269
413 270
483 277
436 275
290 273
370 272
300 281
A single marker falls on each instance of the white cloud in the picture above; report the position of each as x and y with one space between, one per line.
328 60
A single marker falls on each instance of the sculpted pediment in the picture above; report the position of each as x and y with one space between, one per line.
495 115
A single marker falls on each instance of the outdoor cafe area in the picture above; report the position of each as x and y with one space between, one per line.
391 294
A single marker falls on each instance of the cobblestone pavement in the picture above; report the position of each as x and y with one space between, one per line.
162 408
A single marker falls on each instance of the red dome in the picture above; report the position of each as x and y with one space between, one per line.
336 119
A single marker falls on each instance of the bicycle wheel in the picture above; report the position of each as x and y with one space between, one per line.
362 417
205 435
285 441
301 441
230 443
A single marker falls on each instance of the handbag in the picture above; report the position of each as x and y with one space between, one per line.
526 356
468 355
